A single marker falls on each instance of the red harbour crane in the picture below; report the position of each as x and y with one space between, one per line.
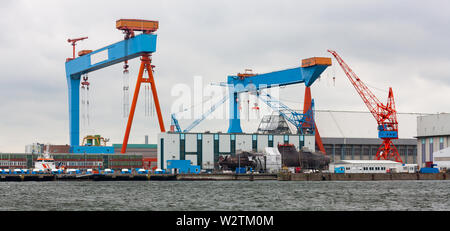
385 114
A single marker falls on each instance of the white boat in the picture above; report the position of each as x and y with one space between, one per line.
45 162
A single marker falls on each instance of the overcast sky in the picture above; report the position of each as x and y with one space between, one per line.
398 44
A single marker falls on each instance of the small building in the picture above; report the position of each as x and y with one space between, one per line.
433 135
182 167
146 150
34 148
273 160
371 166
37 148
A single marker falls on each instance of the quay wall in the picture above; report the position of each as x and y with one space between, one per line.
361 176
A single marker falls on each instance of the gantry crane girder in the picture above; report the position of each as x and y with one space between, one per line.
137 46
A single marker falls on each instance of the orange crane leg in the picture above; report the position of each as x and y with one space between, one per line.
307 106
155 98
145 64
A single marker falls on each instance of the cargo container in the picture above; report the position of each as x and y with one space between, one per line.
160 171
142 171
429 170
339 170
108 171
240 171
57 171
136 25
126 171
38 171
316 61
73 171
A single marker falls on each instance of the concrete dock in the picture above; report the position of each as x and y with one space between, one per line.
135 177
361 176
227 177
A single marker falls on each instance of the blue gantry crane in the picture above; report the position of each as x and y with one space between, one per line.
310 70
308 73
133 46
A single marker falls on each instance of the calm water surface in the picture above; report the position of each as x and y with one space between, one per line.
225 195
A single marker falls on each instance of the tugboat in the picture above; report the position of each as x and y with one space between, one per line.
44 162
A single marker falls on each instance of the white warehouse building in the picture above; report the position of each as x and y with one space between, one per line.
204 149
433 135
442 159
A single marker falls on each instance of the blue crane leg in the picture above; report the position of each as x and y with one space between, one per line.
74 110
234 120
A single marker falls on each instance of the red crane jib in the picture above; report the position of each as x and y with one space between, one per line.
74 43
384 114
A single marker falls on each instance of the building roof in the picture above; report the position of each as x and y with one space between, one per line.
442 153
366 141
136 145
367 162
433 125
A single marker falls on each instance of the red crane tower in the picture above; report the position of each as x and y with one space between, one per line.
74 43
385 114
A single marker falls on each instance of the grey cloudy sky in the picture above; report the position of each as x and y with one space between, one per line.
402 44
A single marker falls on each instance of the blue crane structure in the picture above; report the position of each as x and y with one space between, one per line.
239 84
294 117
175 126
142 45
310 71
299 120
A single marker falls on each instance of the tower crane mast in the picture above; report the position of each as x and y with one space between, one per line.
384 114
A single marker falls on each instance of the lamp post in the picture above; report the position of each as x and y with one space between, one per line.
239 163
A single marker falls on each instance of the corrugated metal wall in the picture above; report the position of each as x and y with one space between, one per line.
114 161
205 148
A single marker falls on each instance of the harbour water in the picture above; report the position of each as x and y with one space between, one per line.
225 195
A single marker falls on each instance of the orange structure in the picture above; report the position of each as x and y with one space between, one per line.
307 107
129 26
316 61
74 43
84 52
145 65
